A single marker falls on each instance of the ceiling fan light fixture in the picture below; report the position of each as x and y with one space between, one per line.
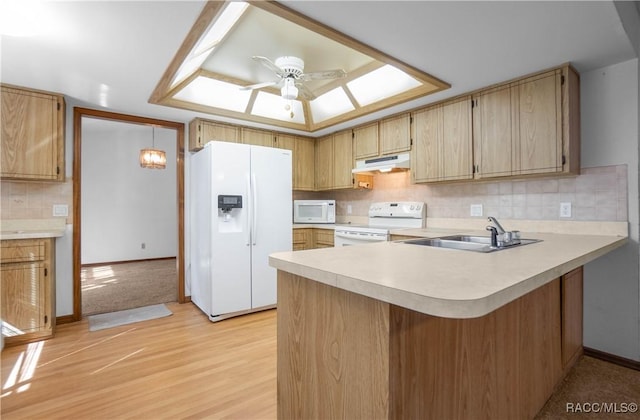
289 91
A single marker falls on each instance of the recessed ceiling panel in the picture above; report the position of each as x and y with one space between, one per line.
332 78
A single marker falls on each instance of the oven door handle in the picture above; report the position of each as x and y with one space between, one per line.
369 237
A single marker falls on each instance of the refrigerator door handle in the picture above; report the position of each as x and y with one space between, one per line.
254 208
248 210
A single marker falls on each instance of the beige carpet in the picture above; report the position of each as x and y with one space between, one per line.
595 389
120 286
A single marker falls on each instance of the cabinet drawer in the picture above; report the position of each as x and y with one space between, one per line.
324 237
22 250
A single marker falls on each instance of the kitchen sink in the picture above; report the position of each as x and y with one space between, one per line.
466 243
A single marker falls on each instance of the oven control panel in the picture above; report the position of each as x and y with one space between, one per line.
399 209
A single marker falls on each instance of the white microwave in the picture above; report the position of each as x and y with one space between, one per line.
314 211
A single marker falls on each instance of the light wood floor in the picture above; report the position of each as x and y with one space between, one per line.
182 366
185 367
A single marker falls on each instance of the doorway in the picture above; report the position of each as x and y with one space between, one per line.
176 134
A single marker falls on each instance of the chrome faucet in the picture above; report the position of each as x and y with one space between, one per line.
500 237
496 224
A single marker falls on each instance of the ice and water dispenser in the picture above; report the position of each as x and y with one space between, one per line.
230 213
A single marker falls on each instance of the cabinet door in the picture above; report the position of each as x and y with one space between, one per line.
456 140
304 164
395 134
219 132
493 133
539 131
32 135
427 145
324 163
366 141
343 159
23 298
285 141
257 137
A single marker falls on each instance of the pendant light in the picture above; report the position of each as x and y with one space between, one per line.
153 158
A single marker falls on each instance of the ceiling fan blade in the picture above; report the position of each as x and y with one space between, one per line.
269 64
326 74
259 85
305 92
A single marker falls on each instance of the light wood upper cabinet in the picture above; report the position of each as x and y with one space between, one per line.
285 141
304 156
538 115
527 127
365 141
32 134
324 163
493 133
27 289
203 131
343 159
257 137
442 148
395 134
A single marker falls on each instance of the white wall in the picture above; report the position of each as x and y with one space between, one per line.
609 125
124 205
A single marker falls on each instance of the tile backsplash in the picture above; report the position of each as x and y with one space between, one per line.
35 200
596 194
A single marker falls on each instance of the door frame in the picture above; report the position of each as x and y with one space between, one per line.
78 113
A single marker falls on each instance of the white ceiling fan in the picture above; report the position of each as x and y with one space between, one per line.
290 71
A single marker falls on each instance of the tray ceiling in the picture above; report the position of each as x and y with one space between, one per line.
208 71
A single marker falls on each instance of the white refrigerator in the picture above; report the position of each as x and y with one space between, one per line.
240 213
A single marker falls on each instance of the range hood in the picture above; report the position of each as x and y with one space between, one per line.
399 162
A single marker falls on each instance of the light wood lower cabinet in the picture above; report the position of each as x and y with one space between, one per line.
371 359
32 134
311 238
27 288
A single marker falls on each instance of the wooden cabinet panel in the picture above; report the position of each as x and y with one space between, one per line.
493 133
323 238
23 298
442 149
302 239
366 141
427 145
285 141
539 124
457 140
257 137
324 163
304 153
203 131
343 159
572 324
395 134
27 289
32 134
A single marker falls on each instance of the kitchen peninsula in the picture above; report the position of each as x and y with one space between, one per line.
393 330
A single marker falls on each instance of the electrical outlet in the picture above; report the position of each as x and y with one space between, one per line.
143 245
349 209
476 210
60 210
565 209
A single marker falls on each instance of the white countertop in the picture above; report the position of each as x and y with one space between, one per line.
446 282
32 228
314 226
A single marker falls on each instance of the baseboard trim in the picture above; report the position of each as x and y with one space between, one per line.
65 319
612 358
126 261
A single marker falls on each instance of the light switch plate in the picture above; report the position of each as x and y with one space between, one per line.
476 210
60 210
565 209
349 209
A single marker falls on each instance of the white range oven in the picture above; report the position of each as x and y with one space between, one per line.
383 217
